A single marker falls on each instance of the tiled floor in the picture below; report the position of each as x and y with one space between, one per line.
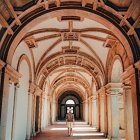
80 132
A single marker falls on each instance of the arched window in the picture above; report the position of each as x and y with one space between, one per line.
71 102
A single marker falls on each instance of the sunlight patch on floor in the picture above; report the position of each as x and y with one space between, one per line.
88 134
93 139
84 129
58 129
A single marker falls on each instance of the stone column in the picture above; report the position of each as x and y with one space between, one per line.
48 110
94 107
121 115
97 112
13 76
37 92
103 110
53 111
86 111
43 112
30 108
131 103
113 89
14 111
90 110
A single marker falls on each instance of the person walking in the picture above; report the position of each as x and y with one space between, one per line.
70 121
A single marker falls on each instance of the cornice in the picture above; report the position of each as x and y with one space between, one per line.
114 88
13 74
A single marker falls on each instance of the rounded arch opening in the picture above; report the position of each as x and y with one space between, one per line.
117 70
69 100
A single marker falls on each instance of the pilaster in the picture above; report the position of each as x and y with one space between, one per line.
30 110
94 110
10 76
103 110
113 90
132 98
48 110
37 100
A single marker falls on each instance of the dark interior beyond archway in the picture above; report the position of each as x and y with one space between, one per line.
70 100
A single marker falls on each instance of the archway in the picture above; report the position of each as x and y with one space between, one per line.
115 101
70 100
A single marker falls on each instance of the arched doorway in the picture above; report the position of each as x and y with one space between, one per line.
69 100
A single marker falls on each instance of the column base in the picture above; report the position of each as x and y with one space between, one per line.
122 133
27 137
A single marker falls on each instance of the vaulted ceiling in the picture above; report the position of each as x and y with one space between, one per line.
69 50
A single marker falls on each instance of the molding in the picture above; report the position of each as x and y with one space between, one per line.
32 88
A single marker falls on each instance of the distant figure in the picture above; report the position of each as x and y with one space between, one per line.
69 122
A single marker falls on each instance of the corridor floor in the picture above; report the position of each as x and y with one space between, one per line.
80 132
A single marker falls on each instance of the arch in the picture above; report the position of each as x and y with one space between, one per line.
117 52
24 57
117 70
64 108
84 11
63 88
22 52
22 103
53 62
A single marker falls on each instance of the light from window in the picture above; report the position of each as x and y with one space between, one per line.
70 102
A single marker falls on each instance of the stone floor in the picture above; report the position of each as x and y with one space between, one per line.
80 132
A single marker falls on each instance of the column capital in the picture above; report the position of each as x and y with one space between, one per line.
38 91
2 64
102 89
13 74
102 92
114 88
94 97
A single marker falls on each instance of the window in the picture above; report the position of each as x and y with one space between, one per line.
71 102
